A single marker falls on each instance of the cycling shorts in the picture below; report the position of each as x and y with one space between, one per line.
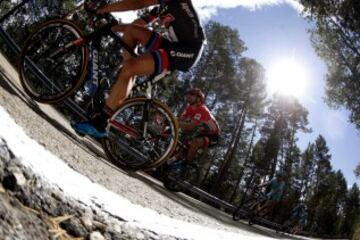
169 56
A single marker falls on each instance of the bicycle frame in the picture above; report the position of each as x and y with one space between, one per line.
255 202
134 143
94 39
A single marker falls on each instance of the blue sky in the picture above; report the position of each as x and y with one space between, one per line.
273 30
279 32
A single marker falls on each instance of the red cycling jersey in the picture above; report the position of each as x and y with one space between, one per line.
201 114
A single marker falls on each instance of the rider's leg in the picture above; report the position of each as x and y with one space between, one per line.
133 34
143 65
298 228
194 146
268 210
261 208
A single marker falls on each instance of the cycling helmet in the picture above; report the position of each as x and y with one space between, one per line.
197 92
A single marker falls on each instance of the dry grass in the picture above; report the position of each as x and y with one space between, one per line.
53 222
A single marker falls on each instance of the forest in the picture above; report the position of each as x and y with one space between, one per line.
259 132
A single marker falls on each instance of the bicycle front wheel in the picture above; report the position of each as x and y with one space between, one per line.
142 134
238 214
53 61
191 174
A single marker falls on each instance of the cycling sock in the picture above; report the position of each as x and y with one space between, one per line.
153 43
100 120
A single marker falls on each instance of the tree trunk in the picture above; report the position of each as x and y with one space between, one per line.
230 153
244 165
202 181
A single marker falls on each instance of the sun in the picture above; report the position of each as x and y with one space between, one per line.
287 77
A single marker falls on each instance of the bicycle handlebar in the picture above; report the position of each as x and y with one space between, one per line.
257 190
107 16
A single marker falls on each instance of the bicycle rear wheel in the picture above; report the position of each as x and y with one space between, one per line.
170 180
53 63
135 142
237 214
191 174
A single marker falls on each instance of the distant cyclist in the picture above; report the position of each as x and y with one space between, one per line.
198 121
178 49
277 186
298 218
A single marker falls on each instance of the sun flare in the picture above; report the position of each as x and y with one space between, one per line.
287 77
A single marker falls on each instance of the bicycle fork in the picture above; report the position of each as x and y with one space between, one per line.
145 120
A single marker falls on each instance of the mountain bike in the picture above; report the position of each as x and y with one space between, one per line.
177 171
249 208
289 225
178 175
53 65
295 223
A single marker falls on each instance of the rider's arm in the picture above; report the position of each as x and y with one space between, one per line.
187 125
186 122
184 115
127 5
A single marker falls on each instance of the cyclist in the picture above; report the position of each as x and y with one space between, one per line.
277 186
179 49
298 218
198 121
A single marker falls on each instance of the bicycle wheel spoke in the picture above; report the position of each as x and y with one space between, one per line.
128 125
47 76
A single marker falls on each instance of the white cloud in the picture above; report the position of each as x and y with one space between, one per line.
209 7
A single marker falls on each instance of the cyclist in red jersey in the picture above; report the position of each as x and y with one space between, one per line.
197 117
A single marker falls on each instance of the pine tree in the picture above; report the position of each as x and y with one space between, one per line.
251 105
336 39
351 211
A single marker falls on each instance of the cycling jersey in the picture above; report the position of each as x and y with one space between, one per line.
299 214
181 46
277 188
180 19
200 114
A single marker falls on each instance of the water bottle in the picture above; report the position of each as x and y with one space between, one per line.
90 87
89 90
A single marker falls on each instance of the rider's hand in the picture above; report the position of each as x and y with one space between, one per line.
196 131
